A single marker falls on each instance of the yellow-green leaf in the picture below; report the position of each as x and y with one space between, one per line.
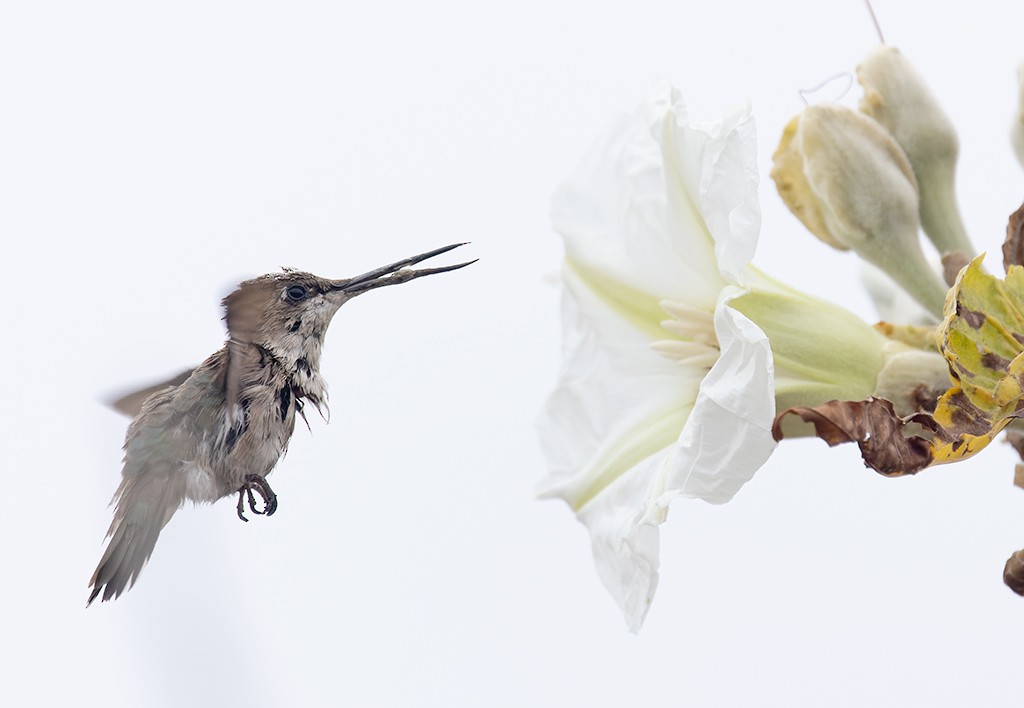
982 338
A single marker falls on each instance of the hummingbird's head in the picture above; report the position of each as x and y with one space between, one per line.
288 313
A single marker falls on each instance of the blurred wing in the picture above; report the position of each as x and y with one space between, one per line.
131 403
243 312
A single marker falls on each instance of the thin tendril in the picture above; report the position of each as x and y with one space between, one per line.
805 92
878 27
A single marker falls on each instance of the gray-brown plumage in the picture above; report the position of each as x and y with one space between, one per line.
221 430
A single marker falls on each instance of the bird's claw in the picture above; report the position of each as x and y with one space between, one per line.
262 487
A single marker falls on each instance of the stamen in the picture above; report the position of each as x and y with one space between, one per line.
692 341
689 354
679 311
692 331
677 349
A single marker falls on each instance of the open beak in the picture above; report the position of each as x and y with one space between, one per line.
397 272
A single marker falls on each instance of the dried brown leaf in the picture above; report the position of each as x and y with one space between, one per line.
1013 246
1013 572
874 426
1016 439
952 263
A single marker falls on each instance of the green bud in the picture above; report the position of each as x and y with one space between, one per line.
897 98
847 180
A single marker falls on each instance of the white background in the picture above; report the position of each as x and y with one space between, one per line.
152 158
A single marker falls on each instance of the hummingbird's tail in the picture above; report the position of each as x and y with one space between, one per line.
145 503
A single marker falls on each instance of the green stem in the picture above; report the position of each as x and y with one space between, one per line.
940 215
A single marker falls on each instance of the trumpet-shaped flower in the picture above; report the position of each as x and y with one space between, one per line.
659 220
668 387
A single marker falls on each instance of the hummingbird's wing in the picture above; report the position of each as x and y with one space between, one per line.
159 454
242 317
131 403
243 312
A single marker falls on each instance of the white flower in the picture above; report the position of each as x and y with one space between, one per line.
677 351
665 390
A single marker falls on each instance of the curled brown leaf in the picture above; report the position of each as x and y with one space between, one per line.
1016 439
1013 246
1013 572
874 426
952 263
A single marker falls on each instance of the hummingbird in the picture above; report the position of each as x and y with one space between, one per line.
221 429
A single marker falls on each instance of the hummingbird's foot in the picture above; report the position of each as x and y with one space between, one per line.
262 487
242 492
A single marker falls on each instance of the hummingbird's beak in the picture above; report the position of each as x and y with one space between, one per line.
396 272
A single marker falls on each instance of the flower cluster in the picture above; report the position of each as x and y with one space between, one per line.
684 364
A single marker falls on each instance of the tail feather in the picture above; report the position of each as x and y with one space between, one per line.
144 506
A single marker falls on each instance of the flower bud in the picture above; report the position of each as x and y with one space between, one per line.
897 98
849 182
1017 129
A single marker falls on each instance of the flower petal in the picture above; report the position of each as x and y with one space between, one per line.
717 166
617 401
726 438
728 435
625 539
617 217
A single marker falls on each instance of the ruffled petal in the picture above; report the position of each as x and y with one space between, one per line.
623 524
725 440
621 214
728 435
716 167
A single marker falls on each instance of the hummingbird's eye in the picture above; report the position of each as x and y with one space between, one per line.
296 293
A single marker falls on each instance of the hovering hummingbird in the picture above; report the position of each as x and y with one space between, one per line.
221 430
